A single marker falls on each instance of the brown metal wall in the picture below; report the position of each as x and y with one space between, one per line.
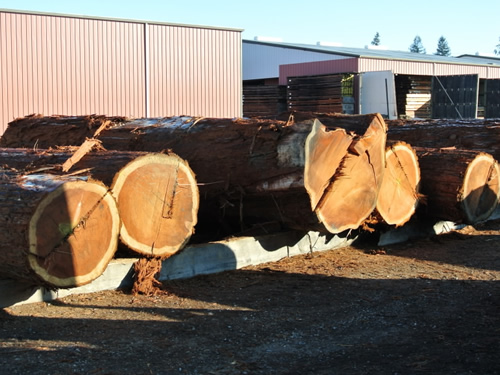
360 65
194 72
345 65
53 64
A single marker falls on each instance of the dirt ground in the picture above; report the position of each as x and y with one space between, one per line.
430 306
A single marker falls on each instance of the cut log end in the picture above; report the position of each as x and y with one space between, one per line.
399 192
352 190
158 200
324 151
73 234
481 188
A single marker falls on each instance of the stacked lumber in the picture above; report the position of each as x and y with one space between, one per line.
414 94
263 100
315 93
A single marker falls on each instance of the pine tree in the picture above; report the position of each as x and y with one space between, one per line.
443 49
417 46
376 39
497 50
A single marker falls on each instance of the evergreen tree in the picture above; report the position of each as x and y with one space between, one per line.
443 49
497 50
417 46
376 39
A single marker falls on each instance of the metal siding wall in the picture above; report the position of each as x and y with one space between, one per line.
427 68
69 66
195 72
345 65
76 66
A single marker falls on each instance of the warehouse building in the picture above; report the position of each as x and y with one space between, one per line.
323 78
75 65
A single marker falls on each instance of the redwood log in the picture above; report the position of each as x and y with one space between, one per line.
460 185
157 193
477 135
353 191
58 232
340 173
37 131
399 193
301 161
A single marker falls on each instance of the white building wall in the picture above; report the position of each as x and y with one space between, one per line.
262 61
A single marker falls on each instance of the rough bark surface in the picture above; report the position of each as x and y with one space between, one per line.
459 185
56 231
336 169
38 131
478 135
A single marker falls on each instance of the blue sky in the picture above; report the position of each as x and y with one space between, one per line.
468 26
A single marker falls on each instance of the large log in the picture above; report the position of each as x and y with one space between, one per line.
459 185
37 131
399 194
341 173
478 135
157 193
265 157
59 232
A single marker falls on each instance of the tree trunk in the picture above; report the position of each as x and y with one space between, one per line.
399 193
59 232
157 194
43 132
460 185
478 135
330 176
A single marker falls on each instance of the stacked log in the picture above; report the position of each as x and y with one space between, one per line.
34 131
478 135
302 165
157 193
308 171
57 231
460 185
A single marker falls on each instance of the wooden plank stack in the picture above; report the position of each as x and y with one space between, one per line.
263 100
415 96
315 93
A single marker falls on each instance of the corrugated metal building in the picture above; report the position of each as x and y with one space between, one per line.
76 65
407 80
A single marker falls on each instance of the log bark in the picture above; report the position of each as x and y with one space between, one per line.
339 173
294 161
58 232
157 193
459 185
42 132
399 193
477 135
